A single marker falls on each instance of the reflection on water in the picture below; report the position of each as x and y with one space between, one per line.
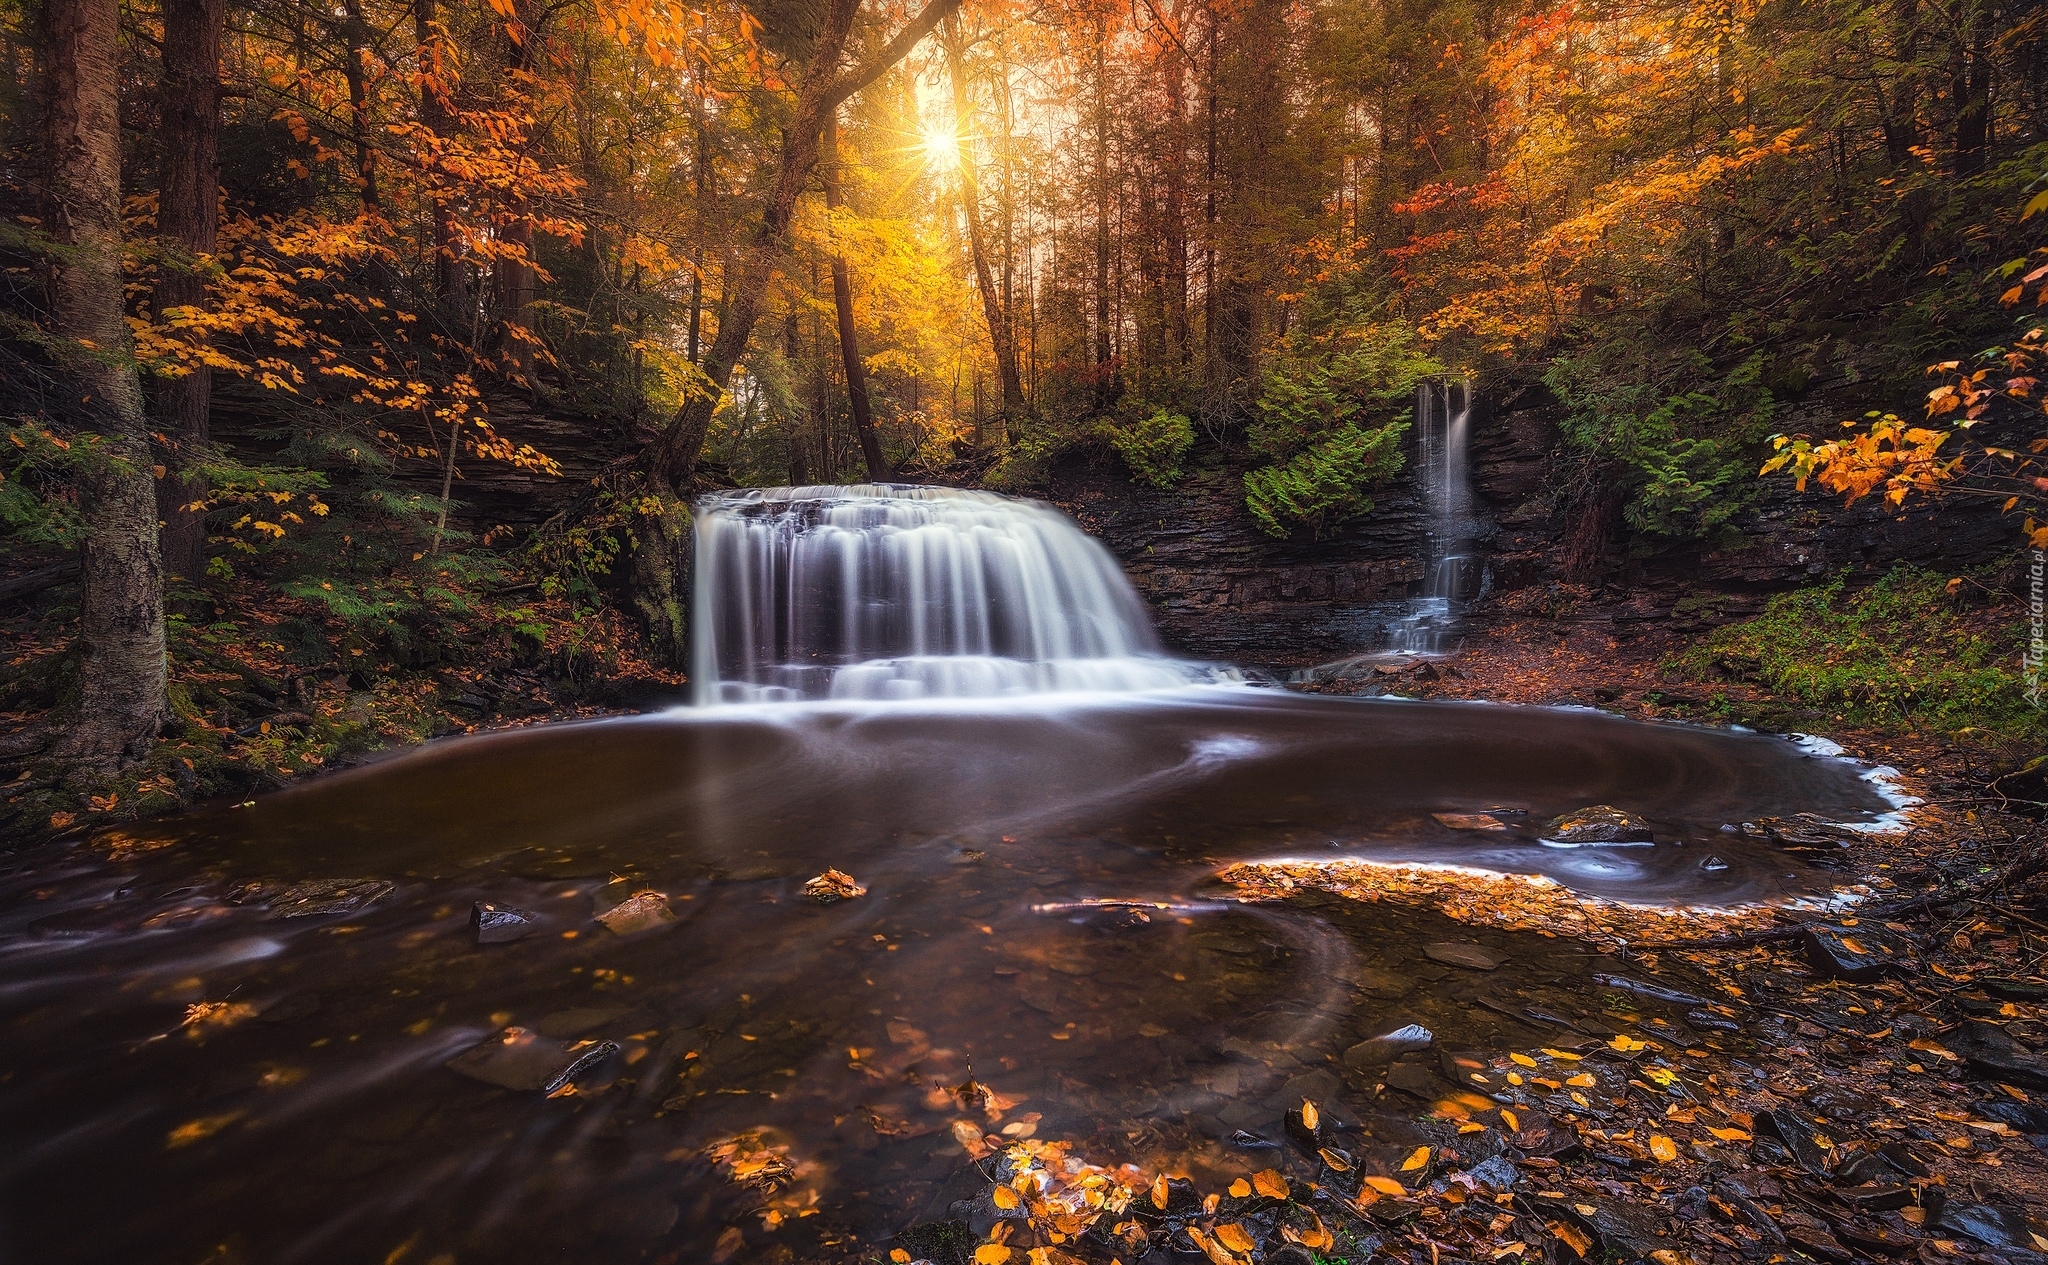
189 1075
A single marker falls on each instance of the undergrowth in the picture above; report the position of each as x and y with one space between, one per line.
1913 649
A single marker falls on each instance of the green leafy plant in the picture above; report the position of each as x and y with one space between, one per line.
1154 445
1325 483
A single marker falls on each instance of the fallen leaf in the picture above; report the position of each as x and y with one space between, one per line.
1730 1135
1573 1237
1006 1198
1663 1148
1387 1186
1416 1160
1270 1184
1233 1236
1240 1189
1310 1117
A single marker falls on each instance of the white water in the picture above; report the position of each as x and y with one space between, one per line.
878 591
1443 420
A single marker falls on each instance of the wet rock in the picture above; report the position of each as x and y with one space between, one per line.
316 897
1470 821
1643 988
1874 1239
1413 1078
643 911
1988 1224
2014 990
1708 1021
1471 956
1496 1174
1713 865
1795 1137
832 886
1818 1243
1384 1049
1858 954
1542 1138
1245 1140
1991 1051
2025 1117
523 1060
492 923
1602 823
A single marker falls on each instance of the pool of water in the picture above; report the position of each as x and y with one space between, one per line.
307 1112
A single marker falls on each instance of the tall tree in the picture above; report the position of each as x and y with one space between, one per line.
994 302
849 338
823 87
122 686
188 223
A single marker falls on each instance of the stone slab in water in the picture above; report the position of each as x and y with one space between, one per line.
643 911
1470 821
1471 956
1386 1048
319 896
493 923
517 1058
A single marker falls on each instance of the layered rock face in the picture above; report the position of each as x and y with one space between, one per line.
1220 588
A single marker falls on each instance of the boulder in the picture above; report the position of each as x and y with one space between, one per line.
492 923
516 1058
1602 823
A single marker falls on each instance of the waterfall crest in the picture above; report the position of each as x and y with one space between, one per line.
880 591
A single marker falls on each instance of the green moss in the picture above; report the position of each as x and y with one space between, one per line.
1912 649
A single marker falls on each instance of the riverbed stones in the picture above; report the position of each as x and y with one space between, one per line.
520 1059
1601 823
643 911
1470 821
492 923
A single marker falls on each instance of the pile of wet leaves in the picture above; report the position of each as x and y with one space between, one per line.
1869 1090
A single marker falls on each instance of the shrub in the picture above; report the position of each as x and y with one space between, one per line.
1154 446
1324 484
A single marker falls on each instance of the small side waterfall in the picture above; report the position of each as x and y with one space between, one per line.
885 592
1443 419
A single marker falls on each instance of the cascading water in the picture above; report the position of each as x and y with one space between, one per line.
880 591
1443 419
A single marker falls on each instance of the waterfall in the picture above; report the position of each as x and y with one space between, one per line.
880 591
1443 418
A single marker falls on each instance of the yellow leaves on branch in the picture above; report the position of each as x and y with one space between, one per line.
1888 457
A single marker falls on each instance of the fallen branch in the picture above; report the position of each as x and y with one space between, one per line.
33 582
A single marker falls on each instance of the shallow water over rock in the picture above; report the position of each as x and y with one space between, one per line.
195 1057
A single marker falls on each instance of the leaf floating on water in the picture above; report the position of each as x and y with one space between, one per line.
832 886
1523 1059
198 1130
968 1135
1270 1184
1663 1148
217 1014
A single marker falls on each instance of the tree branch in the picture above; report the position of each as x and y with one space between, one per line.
892 52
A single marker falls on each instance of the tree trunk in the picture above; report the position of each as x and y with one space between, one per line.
671 460
451 287
188 219
122 690
1105 393
993 305
849 341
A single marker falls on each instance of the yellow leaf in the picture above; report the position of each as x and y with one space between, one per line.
1270 1184
1387 1186
1578 1240
1523 1059
1511 1120
1240 1189
1663 1148
1626 1043
1415 1161
1005 1198
1336 1162
1233 1236
991 1254
1566 1055
1584 1080
1309 1115
1159 1192
1730 1135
